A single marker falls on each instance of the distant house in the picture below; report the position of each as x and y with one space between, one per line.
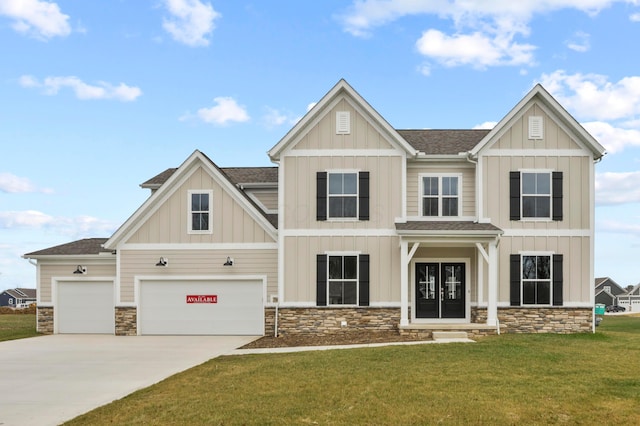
631 299
18 297
607 291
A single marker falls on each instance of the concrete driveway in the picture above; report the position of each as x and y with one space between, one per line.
50 379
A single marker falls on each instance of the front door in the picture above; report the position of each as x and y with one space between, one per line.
440 290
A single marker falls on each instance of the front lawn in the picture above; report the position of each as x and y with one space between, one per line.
17 326
508 379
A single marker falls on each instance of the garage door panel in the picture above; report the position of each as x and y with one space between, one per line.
85 307
238 310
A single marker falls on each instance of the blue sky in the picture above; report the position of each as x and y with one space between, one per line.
97 97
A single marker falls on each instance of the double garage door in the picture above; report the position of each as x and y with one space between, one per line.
201 307
192 307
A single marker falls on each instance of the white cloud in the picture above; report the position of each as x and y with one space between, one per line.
40 19
274 118
486 125
225 111
76 227
580 42
191 22
13 184
477 49
617 188
614 139
82 90
485 31
311 105
593 96
611 226
635 17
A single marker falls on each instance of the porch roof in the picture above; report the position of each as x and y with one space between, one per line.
444 228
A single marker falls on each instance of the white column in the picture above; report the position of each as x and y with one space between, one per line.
404 283
492 296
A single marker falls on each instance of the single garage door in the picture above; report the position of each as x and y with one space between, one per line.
85 307
201 307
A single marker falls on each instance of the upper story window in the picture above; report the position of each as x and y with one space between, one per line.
200 212
607 288
342 195
440 195
535 195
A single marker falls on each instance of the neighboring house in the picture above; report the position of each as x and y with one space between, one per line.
607 291
631 299
360 227
18 297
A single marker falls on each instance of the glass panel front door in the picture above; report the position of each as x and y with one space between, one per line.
440 290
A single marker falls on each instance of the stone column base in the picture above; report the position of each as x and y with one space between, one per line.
126 321
44 320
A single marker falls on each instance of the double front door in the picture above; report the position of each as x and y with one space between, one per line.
440 290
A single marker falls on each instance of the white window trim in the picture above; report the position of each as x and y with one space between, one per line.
344 219
357 280
537 253
189 211
537 219
421 177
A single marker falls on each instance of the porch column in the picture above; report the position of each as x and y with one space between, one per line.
404 283
492 296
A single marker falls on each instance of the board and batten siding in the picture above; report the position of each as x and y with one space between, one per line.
198 263
385 190
230 222
577 283
323 134
468 186
50 269
384 261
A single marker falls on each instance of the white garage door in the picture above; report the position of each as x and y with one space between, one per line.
85 307
201 307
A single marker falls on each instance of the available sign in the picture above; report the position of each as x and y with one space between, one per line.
202 298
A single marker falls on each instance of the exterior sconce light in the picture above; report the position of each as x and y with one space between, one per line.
162 262
229 262
80 270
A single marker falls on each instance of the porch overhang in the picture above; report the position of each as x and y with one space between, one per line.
485 237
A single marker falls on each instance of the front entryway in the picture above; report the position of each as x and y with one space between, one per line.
440 290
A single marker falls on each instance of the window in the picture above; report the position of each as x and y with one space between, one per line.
536 279
535 195
440 195
342 279
342 195
10 301
200 212
607 288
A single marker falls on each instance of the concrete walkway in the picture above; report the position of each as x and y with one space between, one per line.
50 379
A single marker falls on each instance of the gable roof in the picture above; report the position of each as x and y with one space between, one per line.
540 94
166 189
21 293
237 175
443 141
341 88
86 246
616 289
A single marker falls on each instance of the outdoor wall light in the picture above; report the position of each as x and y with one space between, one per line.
80 270
162 262
229 262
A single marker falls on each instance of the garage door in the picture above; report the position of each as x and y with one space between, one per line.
201 307
85 307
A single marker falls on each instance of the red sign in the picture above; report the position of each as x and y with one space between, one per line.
202 298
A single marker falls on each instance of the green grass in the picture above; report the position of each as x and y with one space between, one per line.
17 326
508 379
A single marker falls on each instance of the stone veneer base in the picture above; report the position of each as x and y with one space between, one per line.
126 321
44 322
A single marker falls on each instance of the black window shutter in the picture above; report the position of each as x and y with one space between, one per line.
321 195
557 280
363 195
515 280
514 195
321 280
557 195
364 280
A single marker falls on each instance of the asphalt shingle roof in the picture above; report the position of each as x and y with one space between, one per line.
466 226
79 247
442 142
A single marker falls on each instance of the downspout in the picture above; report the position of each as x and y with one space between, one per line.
275 326
470 159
